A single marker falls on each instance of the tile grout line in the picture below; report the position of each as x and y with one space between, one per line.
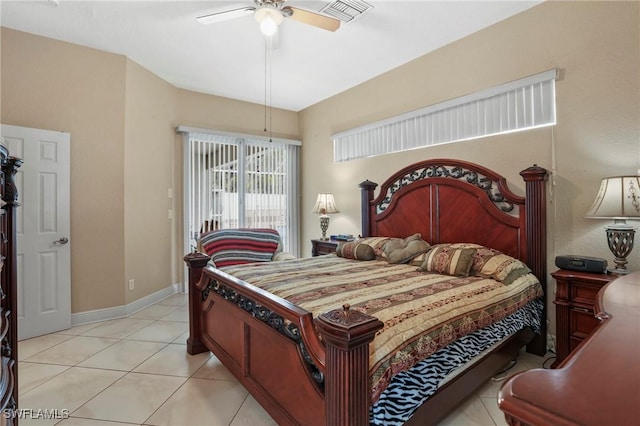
116 340
180 387
246 398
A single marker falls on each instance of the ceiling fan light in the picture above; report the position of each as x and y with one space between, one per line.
269 20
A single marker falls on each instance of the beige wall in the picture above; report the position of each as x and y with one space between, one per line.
125 156
213 112
596 46
52 85
150 108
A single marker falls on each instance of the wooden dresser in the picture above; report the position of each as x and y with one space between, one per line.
575 302
598 383
8 290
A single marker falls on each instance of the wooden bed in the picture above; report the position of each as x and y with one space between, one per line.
278 351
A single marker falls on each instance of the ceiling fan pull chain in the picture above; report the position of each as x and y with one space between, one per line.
269 41
266 40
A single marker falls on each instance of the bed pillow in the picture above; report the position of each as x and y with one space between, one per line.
378 243
447 260
491 263
464 245
403 251
282 255
419 259
355 250
236 246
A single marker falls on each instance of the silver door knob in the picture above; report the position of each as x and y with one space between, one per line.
61 241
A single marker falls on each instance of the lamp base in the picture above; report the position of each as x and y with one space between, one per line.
620 240
617 271
324 225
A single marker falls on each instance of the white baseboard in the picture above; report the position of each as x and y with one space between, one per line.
123 311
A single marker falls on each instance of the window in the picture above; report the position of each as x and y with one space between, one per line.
519 105
239 181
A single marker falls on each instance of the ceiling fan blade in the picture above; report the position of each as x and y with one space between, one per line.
223 16
312 18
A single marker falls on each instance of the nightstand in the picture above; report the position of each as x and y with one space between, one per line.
575 299
321 247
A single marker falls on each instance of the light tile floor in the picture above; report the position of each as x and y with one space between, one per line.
136 371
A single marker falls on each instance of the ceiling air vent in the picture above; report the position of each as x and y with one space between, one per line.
346 10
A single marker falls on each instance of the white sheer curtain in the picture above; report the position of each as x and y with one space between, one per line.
234 180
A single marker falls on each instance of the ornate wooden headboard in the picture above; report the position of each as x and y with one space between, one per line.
457 201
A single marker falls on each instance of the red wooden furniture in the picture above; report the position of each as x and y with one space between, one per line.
575 315
322 247
446 201
598 383
9 291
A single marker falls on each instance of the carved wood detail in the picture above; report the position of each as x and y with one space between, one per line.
10 190
459 171
8 276
264 314
347 335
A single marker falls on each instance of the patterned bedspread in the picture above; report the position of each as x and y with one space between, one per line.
422 312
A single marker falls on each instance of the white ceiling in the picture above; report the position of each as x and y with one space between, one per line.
228 58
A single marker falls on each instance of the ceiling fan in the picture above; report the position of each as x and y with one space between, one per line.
270 14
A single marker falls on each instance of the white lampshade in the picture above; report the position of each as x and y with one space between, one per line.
618 198
325 204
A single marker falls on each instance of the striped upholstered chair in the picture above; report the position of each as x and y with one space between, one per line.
242 245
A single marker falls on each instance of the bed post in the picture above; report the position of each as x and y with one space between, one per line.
347 335
536 218
366 196
195 262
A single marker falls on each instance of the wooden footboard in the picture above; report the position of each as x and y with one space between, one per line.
273 349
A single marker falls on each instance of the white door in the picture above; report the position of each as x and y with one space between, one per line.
43 229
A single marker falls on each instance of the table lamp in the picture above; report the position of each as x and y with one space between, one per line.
325 205
618 199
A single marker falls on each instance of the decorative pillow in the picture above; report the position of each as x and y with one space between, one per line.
282 255
480 258
355 250
419 259
235 246
465 245
378 243
491 263
443 259
402 251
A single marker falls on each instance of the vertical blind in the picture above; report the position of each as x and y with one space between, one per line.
519 105
236 181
